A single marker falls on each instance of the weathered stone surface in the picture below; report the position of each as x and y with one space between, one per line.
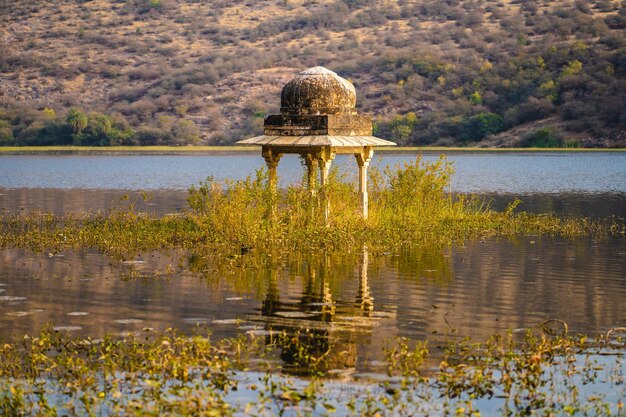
318 91
323 124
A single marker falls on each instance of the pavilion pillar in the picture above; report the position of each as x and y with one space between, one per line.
363 160
325 158
271 160
311 165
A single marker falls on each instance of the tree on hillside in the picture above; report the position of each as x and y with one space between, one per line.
77 120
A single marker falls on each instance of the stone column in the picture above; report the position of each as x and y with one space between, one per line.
363 160
271 160
311 165
325 158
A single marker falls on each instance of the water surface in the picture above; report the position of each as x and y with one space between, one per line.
591 184
161 202
517 173
354 302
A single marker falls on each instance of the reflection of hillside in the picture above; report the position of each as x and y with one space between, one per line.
108 291
594 205
519 284
60 201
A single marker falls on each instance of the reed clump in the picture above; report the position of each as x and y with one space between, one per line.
409 204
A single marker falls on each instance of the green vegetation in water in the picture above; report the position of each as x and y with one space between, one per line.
409 205
54 373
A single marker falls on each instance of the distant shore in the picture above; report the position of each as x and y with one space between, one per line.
18 150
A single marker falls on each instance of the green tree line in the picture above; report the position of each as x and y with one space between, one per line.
80 128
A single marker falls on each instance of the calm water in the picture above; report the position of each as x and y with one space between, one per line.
159 202
353 302
589 184
357 301
517 173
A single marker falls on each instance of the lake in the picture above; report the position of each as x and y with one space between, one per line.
477 172
571 183
358 301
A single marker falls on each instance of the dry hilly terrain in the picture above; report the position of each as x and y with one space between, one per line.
445 72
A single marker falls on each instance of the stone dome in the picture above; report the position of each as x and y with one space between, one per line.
318 90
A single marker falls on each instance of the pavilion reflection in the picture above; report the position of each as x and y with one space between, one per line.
364 300
332 310
315 331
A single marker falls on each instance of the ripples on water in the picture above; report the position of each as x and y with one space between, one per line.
160 202
472 290
424 293
588 184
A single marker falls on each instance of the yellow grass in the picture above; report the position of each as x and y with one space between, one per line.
200 149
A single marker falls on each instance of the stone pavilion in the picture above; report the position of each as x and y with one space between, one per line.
318 120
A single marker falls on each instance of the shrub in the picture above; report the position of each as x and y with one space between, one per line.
6 133
545 137
480 126
531 109
184 132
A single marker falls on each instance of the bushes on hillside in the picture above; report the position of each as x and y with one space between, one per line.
431 72
545 137
41 128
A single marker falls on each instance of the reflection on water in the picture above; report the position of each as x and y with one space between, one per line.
582 183
161 202
322 321
62 201
596 206
346 305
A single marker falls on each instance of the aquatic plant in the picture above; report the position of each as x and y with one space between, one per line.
53 373
408 205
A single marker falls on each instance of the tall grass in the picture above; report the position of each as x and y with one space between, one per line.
408 204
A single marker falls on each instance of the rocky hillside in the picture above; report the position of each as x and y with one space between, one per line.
444 72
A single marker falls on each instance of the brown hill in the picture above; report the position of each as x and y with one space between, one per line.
432 72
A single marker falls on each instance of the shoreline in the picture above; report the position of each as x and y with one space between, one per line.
165 150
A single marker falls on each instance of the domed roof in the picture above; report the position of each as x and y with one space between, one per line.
318 90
